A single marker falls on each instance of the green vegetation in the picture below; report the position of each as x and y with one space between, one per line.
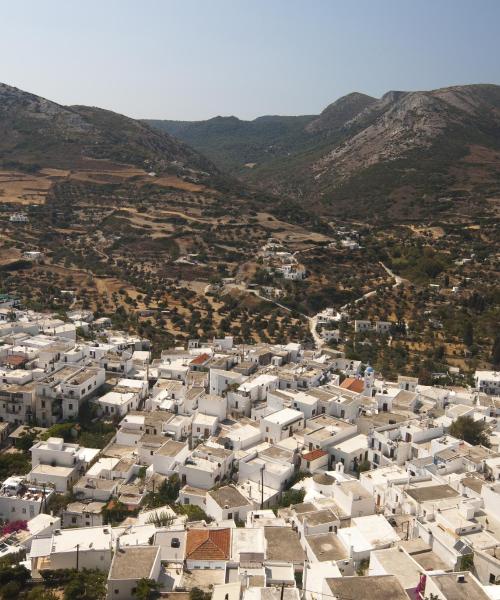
167 493
193 512
13 577
362 568
146 589
198 594
418 264
14 463
116 512
473 432
291 497
78 585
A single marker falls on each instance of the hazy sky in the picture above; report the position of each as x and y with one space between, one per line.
194 59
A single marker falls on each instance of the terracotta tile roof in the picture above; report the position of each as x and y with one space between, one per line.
354 385
15 360
314 454
199 360
208 544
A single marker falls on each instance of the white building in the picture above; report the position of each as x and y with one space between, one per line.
131 564
21 500
281 424
91 545
488 382
227 503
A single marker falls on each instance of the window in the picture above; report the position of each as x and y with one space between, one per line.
73 519
229 515
70 406
175 543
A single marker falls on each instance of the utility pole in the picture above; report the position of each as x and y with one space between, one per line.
43 501
304 579
282 591
262 487
77 555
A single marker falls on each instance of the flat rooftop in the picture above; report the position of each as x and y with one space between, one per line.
318 517
133 562
400 565
283 542
430 493
171 448
327 547
450 586
228 496
381 587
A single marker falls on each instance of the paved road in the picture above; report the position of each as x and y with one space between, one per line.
313 321
399 280
318 340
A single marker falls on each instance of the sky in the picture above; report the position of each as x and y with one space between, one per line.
196 59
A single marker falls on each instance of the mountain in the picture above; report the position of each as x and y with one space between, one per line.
234 144
405 155
340 112
36 131
108 195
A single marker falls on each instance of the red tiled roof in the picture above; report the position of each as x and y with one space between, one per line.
354 385
15 360
199 360
314 454
208 544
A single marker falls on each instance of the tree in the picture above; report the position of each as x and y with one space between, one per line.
292 497
193 512
473 432
10 590
197 594
40 593
167 493
25 441
86 585
146 589
361 467
468 334
13 464
495 350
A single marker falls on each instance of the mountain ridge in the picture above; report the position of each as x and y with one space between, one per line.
404 146
34 129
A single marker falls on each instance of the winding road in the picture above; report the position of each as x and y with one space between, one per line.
313 321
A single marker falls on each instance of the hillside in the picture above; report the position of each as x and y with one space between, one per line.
120 211
37 132
232 143
406 155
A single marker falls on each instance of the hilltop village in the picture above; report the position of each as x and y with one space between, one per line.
238 472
